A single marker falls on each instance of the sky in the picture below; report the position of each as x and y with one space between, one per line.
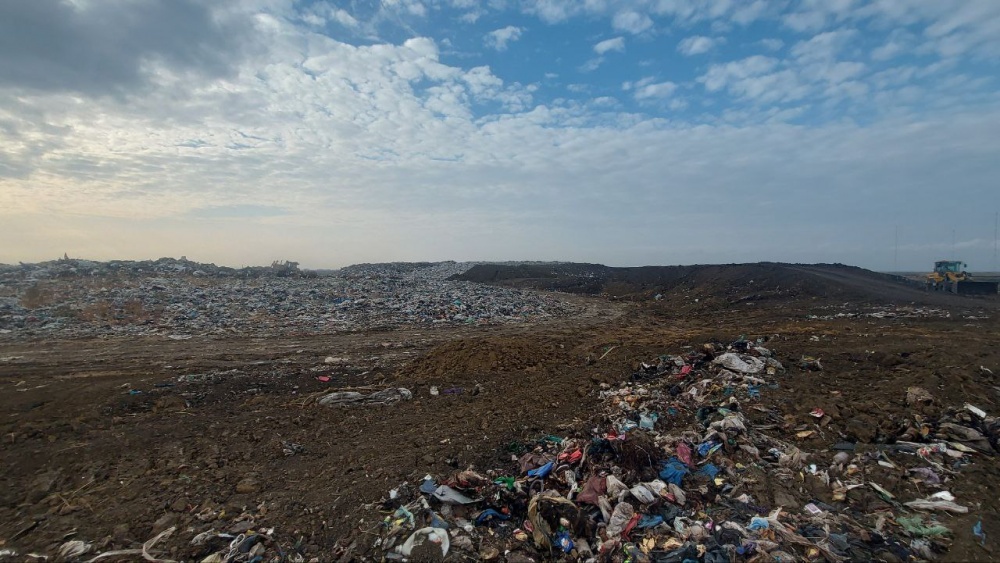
624 132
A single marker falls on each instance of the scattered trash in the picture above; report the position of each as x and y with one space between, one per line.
977 531
885 494
628 488
384 397
809 363
291 448
741 363
648 420
936 504
915 526
448 495
975 410
813 509
435 536
74 548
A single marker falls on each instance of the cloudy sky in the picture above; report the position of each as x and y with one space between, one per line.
625 132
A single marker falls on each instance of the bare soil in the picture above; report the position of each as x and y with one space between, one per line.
112 440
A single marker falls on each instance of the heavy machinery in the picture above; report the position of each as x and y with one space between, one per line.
950 276
948 271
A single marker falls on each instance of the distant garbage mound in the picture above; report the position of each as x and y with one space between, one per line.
683 462
179 298
74 268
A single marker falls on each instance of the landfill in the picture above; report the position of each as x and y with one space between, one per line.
495 424
683 464
179 299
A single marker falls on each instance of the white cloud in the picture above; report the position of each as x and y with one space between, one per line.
696 45
814 70
631 21
655 90
552 11
720 75
412 7
893 77
692 11
499 38
344 18
814 15
823 46
806 21
950 27
757 79
629 85
386 150
615 44
887 51
772 44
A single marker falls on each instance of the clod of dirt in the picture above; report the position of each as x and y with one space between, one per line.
164 522
248 485
918 396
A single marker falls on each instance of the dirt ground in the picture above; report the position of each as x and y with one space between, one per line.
113 440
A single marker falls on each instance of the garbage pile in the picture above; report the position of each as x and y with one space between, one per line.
71 267
684 463
885 312
181 298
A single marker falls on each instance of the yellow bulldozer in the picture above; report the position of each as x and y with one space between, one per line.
950 276
946 272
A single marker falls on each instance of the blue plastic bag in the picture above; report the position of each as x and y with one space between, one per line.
706 448
977 531
543 471
564 542
709 470
758 523
673 471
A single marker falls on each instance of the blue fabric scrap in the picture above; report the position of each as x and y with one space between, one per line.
649 521
488 515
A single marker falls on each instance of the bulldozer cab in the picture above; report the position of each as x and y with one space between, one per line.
949 267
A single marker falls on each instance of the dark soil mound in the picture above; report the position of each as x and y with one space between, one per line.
726 284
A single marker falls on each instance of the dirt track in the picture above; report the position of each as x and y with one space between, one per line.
86 459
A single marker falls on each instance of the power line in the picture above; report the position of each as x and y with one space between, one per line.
895 256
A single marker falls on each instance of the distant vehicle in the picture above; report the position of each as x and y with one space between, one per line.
950 276
948 271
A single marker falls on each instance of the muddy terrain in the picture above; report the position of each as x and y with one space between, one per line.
110 440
